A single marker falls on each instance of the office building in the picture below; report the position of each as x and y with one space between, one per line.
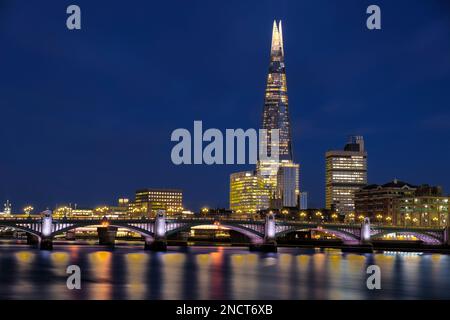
346 173
82 213
277 173
303 200
248 193
428 207
287 184
148 201
275 114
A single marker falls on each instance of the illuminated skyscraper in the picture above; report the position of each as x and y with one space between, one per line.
276 113
277 175
346 172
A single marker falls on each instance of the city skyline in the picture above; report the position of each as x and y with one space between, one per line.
211 159
91 146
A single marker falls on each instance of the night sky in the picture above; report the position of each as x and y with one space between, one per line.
86 116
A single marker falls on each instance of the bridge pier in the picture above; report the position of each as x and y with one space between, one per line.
46 243
107 235
46 240
32 239
365 243
365 232
269 244
160 241
264 247
155 245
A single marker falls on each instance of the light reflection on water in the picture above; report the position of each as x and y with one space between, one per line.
136 272
218 273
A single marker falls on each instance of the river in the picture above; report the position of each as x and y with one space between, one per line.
129 272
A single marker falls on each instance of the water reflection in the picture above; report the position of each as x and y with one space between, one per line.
136 264
23 263
99 275
173 273
219 273
244 274
203 261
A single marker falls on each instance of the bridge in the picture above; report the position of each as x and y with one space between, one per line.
262 233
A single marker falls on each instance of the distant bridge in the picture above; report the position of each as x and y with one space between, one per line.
261 232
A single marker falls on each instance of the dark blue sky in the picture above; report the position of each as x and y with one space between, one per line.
86 116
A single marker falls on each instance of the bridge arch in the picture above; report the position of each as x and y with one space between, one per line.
341 234
424 236
23 229
255 237
141 231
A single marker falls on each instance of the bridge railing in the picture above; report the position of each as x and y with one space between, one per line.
20 219
219 219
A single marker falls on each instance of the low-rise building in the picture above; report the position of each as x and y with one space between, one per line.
400 203
378 202
148 201
428 207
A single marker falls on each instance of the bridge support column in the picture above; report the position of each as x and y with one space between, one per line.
365 231
70 235
32 239
269 244
46 243
107 235
160 241
155 245
46 240
365 243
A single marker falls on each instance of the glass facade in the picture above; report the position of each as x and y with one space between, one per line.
276 116
247 193
287 184
268 171
303 200
276 112
276 182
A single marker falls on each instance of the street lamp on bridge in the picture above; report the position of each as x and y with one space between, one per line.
28 210
379 217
